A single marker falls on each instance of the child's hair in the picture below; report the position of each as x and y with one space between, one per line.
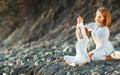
87 32
106 14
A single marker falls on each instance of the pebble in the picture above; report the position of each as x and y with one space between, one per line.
50 61
4 73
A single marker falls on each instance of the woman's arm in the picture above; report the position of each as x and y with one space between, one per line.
90 26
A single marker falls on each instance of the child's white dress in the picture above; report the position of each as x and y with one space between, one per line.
100 36
81 56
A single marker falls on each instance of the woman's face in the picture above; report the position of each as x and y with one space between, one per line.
99 19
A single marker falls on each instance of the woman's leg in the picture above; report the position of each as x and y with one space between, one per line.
109 58
97 55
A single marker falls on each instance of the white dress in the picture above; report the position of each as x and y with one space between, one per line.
81 56
100 36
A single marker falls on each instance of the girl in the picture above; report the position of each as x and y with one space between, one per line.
81 56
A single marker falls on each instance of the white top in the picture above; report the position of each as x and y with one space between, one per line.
83 42
81 56
101 38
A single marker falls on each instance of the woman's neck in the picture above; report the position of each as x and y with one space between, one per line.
100 24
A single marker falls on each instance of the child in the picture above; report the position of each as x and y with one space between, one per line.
81 56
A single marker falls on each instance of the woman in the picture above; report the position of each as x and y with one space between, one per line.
81 56
100 34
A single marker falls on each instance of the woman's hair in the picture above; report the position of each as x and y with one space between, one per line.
106 14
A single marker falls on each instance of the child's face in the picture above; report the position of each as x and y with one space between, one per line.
99 19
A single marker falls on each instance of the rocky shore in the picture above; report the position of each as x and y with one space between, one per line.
36 34
47 59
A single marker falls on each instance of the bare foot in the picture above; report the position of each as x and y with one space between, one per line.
109 58
66 63
81 64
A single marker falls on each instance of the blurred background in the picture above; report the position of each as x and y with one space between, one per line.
36 34
23 21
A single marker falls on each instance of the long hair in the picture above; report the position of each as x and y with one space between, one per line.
106 14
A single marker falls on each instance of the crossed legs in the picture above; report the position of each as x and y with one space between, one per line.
107 58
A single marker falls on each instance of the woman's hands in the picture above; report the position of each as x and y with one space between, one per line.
79 20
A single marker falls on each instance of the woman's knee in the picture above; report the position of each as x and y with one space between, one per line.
97 57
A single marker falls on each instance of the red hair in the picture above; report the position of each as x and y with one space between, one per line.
106 14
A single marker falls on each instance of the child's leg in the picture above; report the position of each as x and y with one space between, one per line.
90 55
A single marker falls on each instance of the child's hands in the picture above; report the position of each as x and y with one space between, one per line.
79 20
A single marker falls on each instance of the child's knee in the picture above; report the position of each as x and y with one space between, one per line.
91 56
